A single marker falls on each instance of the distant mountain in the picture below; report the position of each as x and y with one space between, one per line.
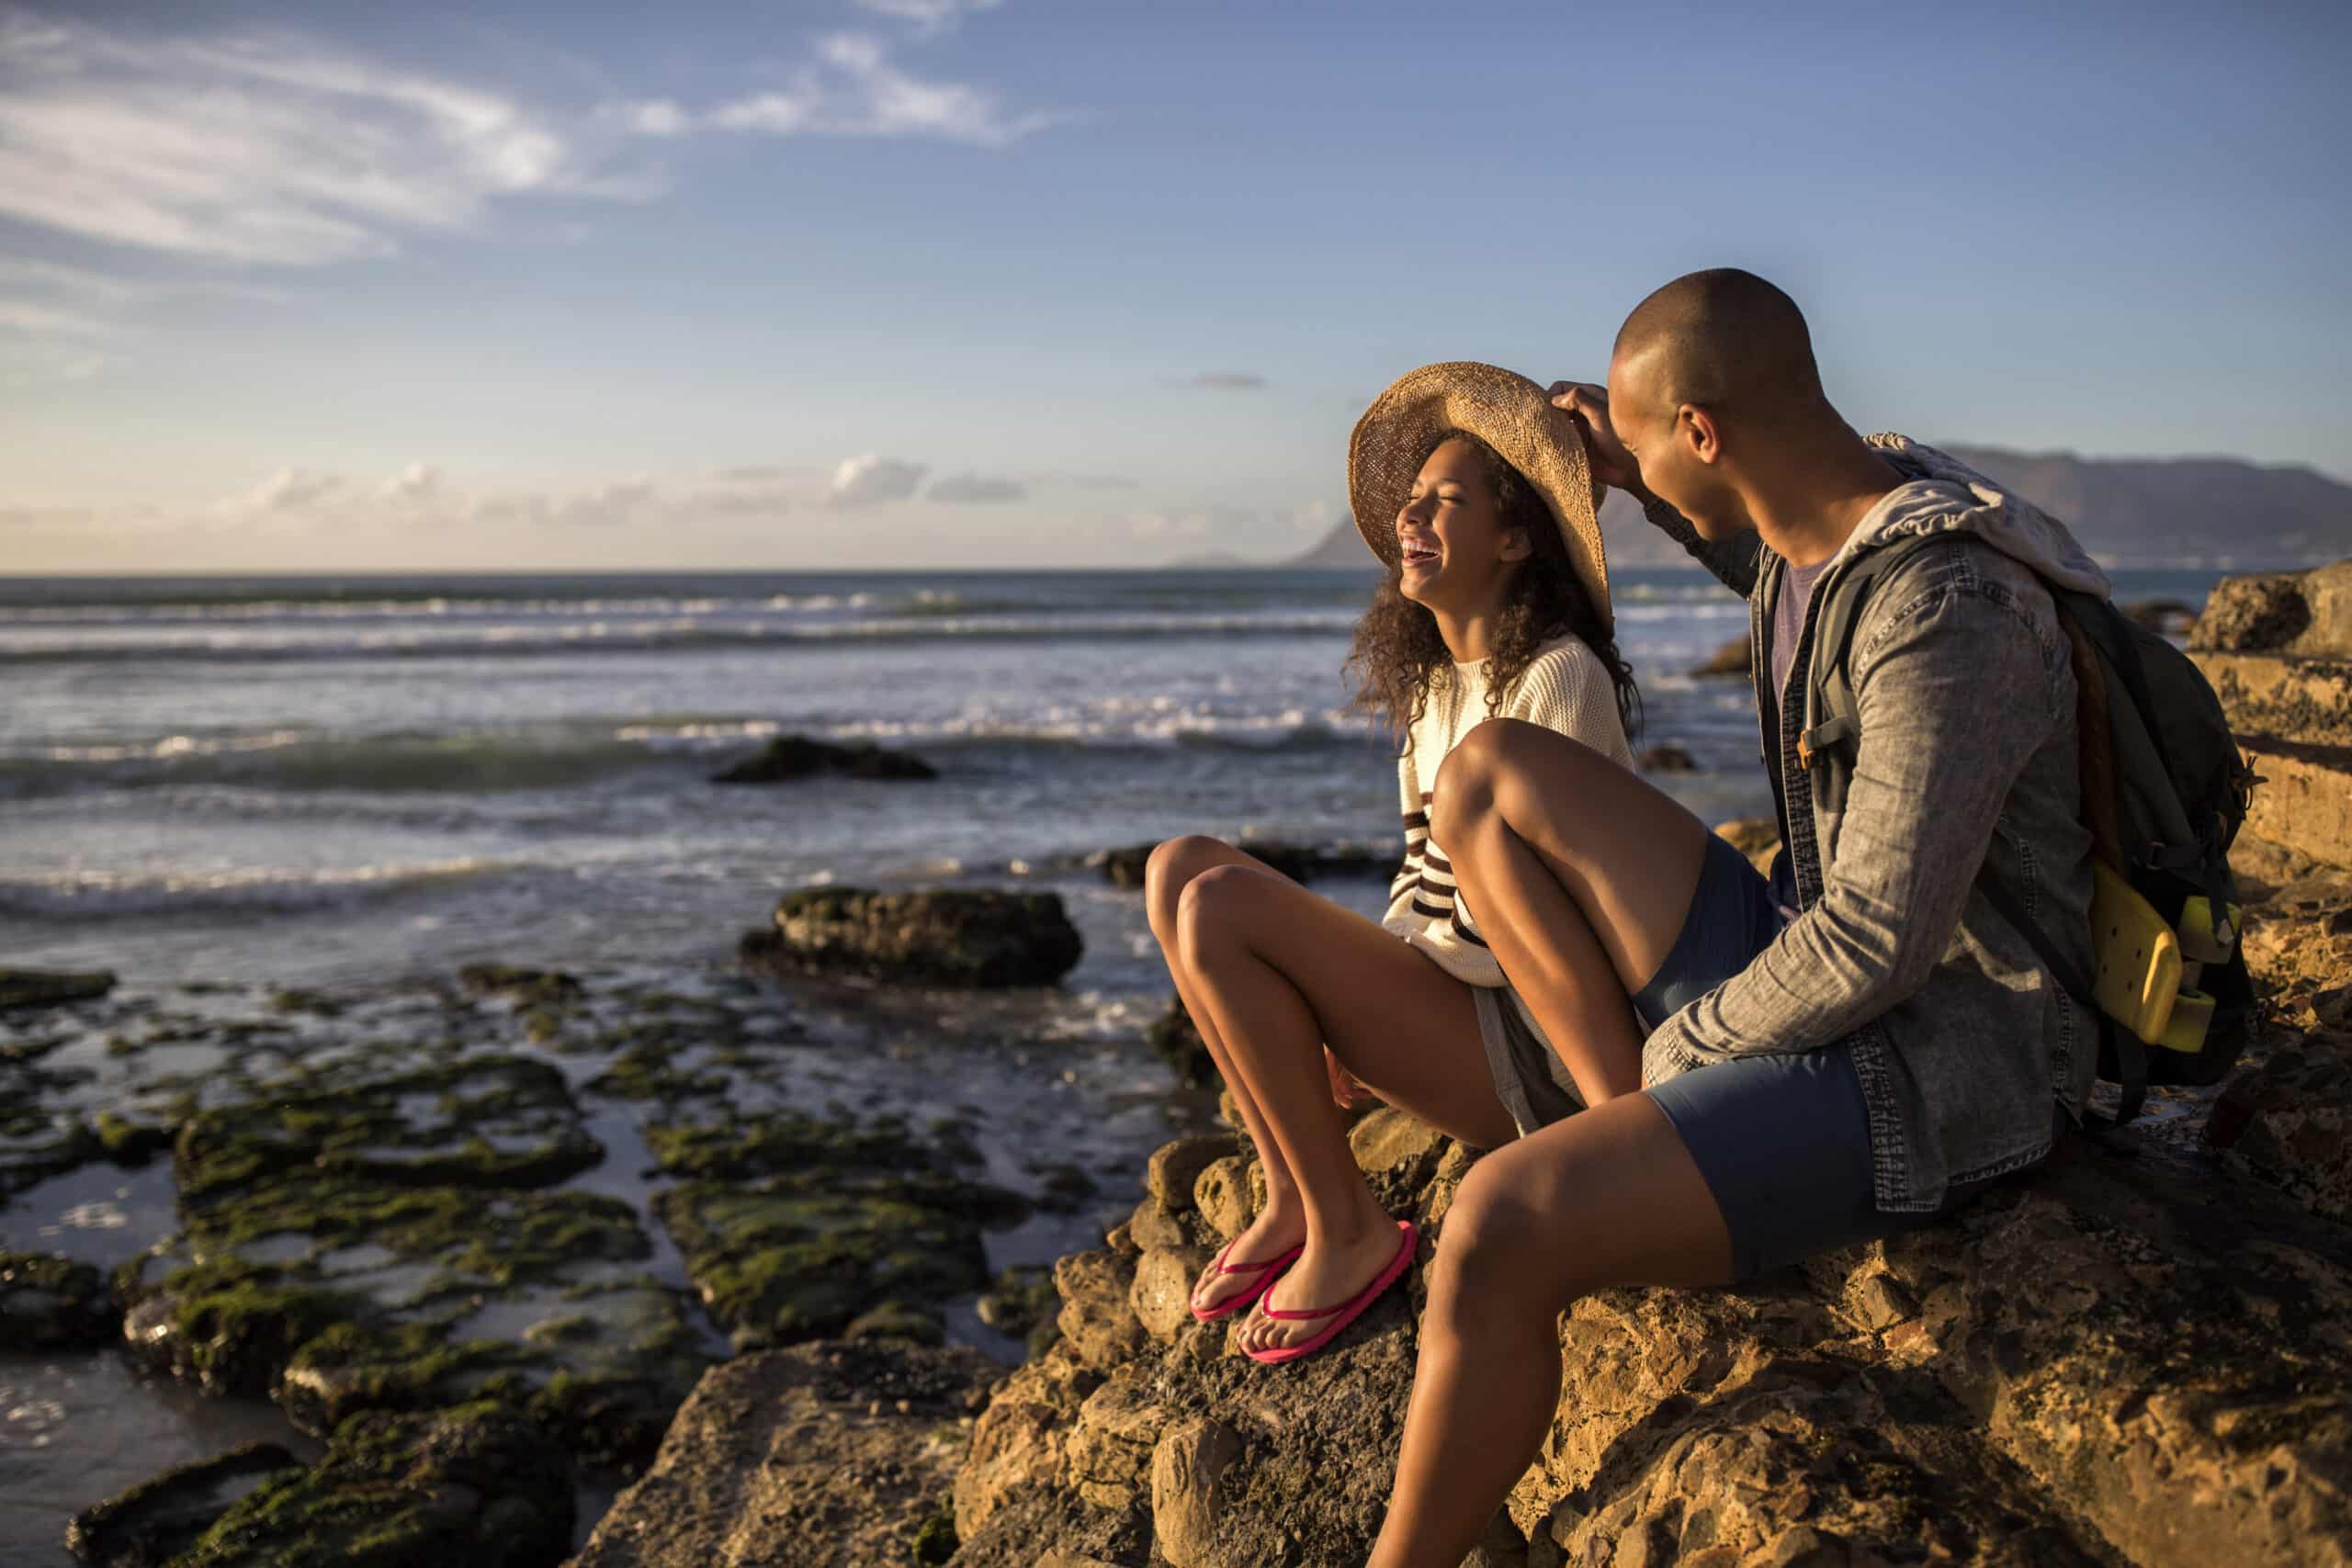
2141 510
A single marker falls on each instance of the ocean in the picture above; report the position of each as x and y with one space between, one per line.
356 785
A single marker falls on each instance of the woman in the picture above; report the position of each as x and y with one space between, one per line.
1474 492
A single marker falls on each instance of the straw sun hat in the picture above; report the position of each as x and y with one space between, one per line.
1508 412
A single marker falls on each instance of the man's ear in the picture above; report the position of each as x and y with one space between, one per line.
1696 428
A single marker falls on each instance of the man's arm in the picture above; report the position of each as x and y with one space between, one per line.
1956 691
1732 560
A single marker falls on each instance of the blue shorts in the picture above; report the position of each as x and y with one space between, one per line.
1783 1141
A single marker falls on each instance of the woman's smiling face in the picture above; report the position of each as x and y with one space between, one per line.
1456 553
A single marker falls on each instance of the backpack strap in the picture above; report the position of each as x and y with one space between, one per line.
2131 1055
1833 718
1832 741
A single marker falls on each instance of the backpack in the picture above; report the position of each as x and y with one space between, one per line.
2163 792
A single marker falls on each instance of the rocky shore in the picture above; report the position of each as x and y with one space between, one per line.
499 1240
2135 1355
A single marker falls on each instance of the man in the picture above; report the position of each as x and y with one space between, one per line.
1839 1054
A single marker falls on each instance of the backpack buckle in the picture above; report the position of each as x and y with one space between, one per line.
1821 738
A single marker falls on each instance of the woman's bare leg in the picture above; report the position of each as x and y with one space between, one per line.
1282 1224
1281 973
1607 1198
1580 875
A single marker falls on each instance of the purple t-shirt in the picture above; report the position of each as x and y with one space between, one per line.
1788 618
1788 626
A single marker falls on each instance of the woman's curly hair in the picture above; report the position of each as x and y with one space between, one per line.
1398 654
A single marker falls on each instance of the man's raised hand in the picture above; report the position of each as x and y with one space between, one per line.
1612 463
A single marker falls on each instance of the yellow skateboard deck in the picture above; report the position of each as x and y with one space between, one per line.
2139 959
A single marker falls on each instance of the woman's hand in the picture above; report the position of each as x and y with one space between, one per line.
1346 1090
1612 463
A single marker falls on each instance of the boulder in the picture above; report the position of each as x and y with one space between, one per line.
2287 1121
1153 1224
946 938
49 1302
1188 1485
1162 1292
796 1229
2305 800
164 1516
791 757
2304 700
827 1455
1667 758
1172 1036
2170 617
2307 613
1227 1194
1397 1155
1022 1304
1098 1316
1757 838
30 989
1175 1168
1731 659
473 1483
1019 1447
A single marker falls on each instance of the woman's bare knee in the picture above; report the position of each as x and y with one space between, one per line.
1170 869
1217 905
1497 757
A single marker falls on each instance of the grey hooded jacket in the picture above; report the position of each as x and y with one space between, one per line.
1967 763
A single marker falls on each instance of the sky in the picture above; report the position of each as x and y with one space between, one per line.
1016 283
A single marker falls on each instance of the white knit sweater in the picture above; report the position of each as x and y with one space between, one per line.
1564 688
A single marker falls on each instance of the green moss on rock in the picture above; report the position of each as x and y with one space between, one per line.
49 1302
51 987
476 1485
789 1260
485 1121
163 1516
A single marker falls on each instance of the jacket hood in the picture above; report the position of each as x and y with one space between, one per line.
1945 495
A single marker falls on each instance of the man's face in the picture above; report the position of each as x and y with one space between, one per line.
1664 445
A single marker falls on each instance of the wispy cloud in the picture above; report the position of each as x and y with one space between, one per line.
60 322
926 18
976 489
288 490
1225 381
852 87
258 147
873 480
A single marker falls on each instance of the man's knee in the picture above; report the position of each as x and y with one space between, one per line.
1171 867
1499 1248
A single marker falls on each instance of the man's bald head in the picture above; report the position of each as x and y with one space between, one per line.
1728 341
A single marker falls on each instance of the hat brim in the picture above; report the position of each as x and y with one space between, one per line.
1508 412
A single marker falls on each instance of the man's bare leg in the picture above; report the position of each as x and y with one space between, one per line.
1606 1198
1580 875
1282 972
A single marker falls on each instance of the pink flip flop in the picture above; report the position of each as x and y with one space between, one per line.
1347 1312
1265 1271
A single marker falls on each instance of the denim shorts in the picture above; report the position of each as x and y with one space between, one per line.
1782 1141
